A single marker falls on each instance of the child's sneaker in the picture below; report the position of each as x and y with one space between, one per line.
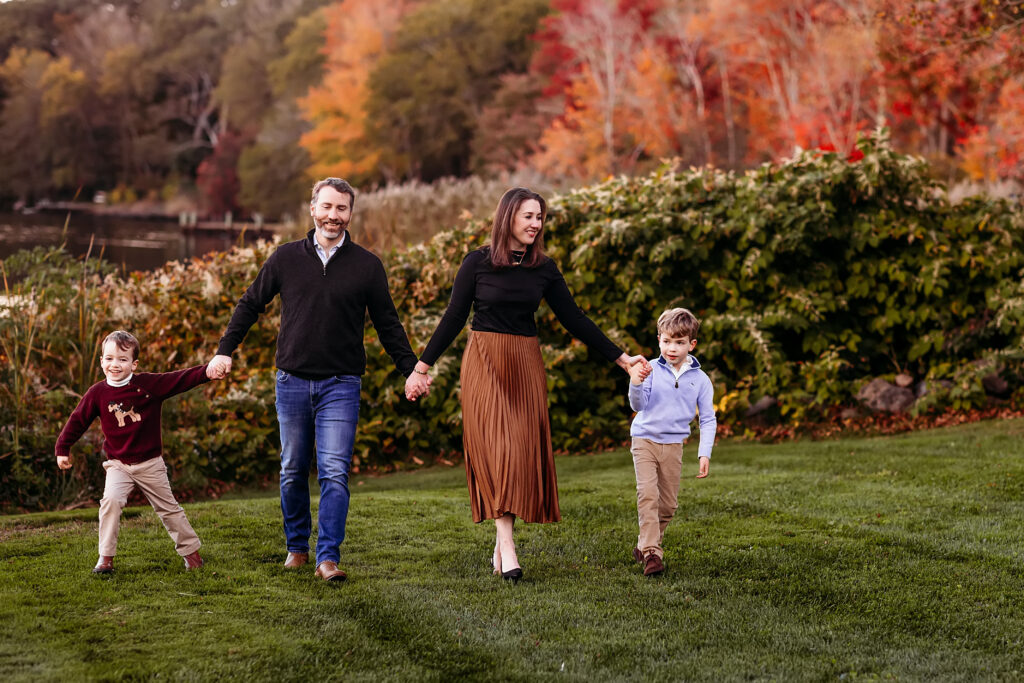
105 565
192 561
653 564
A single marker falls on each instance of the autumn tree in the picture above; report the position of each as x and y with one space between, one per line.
41 126
994 151
273 169
806 73
946 63
600 43
358 34
427 94
510 126
217 178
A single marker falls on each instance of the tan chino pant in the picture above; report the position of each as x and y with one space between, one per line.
151 478
658 467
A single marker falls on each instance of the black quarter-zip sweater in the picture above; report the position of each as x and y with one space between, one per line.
323 310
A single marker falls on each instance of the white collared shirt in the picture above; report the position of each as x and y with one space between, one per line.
683 367
325 256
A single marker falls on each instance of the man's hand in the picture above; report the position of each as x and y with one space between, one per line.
64 462
705 467
218 367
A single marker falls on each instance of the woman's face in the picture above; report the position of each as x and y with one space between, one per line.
526 224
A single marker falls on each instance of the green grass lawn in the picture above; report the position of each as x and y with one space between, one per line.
884 558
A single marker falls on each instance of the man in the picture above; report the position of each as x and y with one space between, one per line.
327 284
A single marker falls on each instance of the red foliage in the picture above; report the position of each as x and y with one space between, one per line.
555 61
217 176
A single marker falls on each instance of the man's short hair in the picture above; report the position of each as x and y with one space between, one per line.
125 341
678 322
338 184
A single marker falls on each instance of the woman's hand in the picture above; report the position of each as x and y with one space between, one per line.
418 382
626 362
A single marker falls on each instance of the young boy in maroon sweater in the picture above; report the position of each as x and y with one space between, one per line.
128 406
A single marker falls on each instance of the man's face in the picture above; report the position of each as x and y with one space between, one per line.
117 363
675 349
331 214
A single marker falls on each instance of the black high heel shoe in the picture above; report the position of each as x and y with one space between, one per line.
513 575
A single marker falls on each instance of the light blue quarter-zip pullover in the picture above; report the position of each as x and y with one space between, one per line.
666 405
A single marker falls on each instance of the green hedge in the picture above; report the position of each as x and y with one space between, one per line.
811 277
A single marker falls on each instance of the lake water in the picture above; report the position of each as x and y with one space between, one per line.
134 244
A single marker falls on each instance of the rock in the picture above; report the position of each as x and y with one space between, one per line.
904 380
849 413
995 385
882 396
762 404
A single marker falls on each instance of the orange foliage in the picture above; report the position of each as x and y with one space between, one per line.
996 152
807 71
945 63
358 34
697 80
599 44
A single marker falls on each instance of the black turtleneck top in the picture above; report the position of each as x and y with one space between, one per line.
505 300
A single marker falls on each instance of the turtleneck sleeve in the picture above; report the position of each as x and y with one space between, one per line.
574 320
455 316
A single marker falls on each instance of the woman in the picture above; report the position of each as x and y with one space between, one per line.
510 467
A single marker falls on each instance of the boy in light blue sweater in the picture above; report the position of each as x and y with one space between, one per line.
666 398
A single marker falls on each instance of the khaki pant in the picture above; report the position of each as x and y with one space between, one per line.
658 467
151 477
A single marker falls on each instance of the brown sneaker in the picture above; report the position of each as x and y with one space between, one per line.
653 564
192 561
328 571
638 556
105 565
295 560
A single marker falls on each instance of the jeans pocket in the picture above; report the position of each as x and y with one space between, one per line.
282 376
349 379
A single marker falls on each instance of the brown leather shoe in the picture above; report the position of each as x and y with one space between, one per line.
653 564
328 571
105 565
295 560
192 561
638 556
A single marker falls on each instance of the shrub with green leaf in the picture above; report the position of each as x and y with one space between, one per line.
811 277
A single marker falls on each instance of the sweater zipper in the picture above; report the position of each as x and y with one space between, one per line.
329 259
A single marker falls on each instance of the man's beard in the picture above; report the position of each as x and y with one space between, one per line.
326 227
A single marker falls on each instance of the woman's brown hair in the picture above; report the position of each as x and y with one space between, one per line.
501 230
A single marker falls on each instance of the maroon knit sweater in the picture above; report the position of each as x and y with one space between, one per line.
129 415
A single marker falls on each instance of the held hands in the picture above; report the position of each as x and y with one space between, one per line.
638 373
637 367
64 462
218 367
418 382
705 467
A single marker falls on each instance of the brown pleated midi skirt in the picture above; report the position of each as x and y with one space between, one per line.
506 433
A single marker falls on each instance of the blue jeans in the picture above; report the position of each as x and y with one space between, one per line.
316 416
